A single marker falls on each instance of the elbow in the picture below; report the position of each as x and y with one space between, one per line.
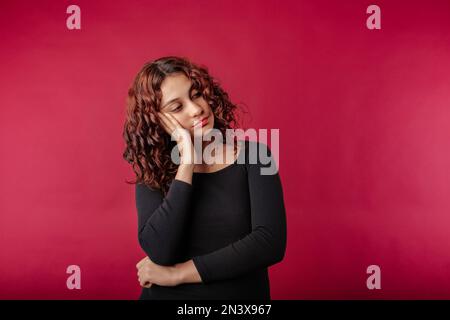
278 253
278 247
274 245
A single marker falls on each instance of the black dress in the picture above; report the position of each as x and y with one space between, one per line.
231 222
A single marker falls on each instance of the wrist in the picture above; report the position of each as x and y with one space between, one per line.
178 273
185 172
187 166
186 272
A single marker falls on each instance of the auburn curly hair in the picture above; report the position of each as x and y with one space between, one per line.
148 145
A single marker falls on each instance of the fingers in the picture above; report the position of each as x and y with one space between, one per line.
165 122
173 121
141 274
142 262
172 126
145 283
143 279
170 121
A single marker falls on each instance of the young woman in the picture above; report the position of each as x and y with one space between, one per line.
210 231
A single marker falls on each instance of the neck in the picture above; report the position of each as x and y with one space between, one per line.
220 150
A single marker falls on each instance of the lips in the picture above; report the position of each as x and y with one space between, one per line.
201 122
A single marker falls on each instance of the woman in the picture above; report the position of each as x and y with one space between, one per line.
209 230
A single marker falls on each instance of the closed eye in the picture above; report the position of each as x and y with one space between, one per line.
195 96
177 108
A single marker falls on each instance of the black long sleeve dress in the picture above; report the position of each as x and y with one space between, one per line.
231 222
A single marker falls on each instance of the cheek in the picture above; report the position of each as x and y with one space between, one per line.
182 120
207 106
211 112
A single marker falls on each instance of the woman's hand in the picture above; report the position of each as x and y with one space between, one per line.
181 136
151 273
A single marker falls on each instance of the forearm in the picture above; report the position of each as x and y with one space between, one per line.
186 272
257 250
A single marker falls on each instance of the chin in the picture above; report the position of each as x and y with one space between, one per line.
205 130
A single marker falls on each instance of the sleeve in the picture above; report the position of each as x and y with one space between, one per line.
161 221
266 244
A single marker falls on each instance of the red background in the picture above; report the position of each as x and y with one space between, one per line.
364 137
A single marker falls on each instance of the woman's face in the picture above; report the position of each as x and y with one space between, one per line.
188 108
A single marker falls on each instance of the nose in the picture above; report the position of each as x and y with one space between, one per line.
195 110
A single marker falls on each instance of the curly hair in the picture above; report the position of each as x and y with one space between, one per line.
148 145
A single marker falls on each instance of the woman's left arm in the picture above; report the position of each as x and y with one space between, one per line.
264 246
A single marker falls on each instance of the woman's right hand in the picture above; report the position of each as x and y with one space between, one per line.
181 136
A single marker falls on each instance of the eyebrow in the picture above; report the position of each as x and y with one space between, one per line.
173 100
